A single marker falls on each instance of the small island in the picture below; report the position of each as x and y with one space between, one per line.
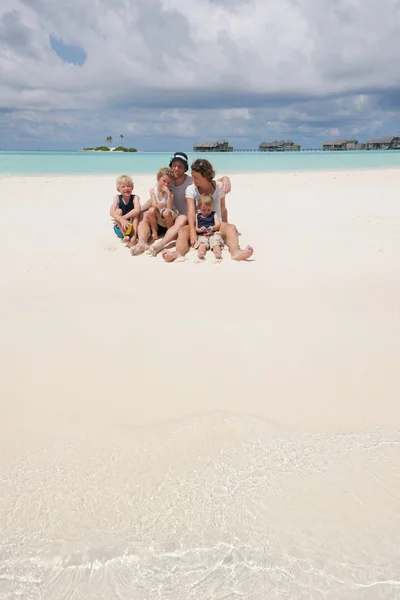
108 148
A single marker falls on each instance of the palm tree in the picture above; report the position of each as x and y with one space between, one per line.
121 137
110 140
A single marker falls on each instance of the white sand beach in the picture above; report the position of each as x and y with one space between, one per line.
205 431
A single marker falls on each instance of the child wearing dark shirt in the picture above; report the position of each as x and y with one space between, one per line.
125 210
207 227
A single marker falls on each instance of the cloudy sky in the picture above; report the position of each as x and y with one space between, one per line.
168 73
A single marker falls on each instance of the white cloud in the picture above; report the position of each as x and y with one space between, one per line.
236 113
207 65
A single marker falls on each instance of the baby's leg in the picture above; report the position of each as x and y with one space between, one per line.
169 221
201 251
217 251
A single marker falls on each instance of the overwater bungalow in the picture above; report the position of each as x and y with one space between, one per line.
384 143
371 144
219 146
281 146
388 142
341 144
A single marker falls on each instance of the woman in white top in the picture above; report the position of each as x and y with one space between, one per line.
203 176
215 189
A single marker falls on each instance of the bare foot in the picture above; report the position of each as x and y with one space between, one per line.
125 239
243 254
154 249
201 254
154 236
170 256
139 248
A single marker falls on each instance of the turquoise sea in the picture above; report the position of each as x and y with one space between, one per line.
110 163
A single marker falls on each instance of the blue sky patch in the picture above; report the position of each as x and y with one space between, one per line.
68 52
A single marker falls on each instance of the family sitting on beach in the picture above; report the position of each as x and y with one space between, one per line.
190 210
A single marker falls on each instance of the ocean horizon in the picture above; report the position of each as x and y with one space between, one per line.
23 163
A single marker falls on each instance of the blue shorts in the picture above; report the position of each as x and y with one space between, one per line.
118 232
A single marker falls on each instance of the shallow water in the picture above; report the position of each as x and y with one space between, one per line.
213 507
103 163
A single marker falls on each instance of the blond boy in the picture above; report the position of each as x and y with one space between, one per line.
162 212
125 210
